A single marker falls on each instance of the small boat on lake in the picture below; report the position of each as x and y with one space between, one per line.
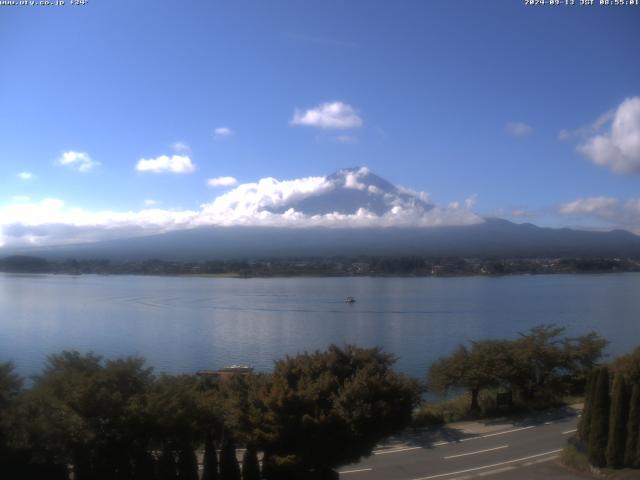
349 300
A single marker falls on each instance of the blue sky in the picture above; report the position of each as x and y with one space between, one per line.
493 99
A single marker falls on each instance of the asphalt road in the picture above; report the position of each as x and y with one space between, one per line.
524 452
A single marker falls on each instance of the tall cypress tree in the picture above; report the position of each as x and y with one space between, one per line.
167 465
229 468
250 465
210 467
144 465
585 419
269 471
599 429
632 450
187 464
618 422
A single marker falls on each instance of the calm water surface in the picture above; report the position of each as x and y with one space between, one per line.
185 324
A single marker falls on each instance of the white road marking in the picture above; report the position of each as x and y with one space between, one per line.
355 471
570 431
542 460
489 466
384 452
439 444
493 472
498 433
474 453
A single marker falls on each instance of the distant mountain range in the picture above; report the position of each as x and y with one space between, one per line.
492 238
347 193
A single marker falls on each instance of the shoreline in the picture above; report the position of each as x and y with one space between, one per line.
312 275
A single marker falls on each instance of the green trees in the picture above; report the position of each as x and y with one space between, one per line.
582 355
541 364
610 424
584 427
116 420
632 448
86 408
618 422
628 365
486 364
326 409
599 428
539 358
24 263
10 386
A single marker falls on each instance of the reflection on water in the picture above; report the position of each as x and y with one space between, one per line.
185 324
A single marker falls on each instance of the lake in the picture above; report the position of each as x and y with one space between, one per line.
183 324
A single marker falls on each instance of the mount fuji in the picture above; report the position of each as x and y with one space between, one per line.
351 212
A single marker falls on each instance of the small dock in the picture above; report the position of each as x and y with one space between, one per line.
226 372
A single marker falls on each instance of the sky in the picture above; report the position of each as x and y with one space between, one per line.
128 117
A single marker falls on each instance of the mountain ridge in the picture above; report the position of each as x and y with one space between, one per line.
493 238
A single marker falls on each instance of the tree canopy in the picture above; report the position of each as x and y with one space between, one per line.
116 420
541 362
348 395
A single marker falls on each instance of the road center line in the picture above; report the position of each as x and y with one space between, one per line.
489 466
384 452
570 431
498 433
499 470
355 471
540 460
474 453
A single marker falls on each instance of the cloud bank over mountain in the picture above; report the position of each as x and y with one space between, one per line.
349 198
607 210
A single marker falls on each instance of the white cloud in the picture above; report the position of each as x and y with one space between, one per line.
222 182
80 161
587 130
180 147
518 129
222 132
164 163
352 179
591 205
25 175
51 222
150 202
267 202
471 201
619 147
334 115
606 211
255 204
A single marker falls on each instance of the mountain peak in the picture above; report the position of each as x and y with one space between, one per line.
353 189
